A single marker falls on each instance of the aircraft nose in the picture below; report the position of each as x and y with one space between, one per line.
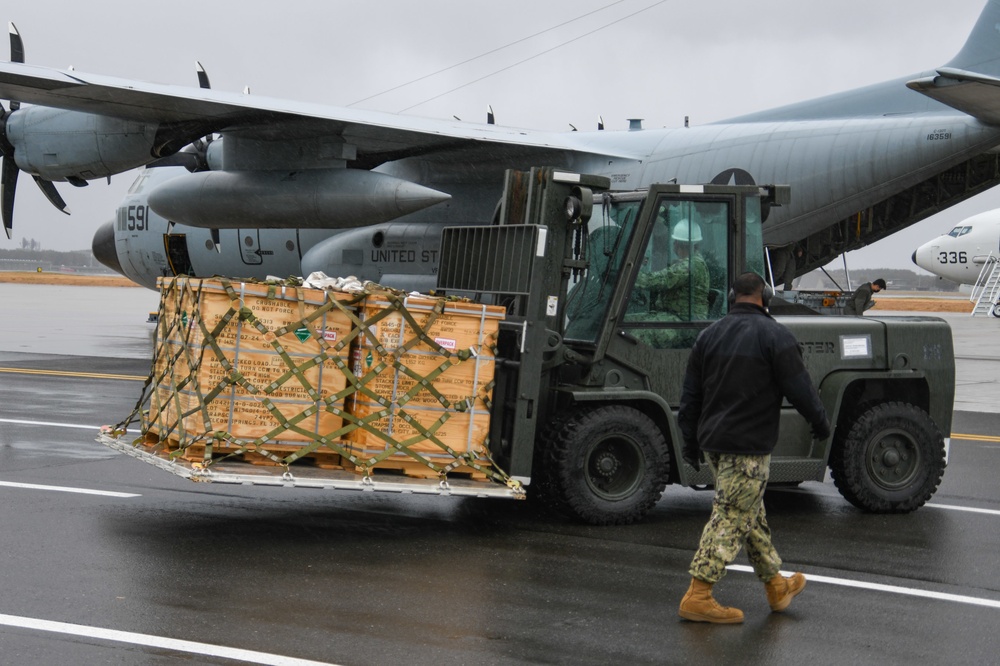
923 254
103 247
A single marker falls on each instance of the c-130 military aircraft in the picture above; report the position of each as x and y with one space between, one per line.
309 187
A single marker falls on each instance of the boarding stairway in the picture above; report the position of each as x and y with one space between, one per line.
986 291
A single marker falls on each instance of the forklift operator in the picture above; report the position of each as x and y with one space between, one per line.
681 289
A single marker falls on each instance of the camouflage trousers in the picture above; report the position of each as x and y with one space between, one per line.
737 519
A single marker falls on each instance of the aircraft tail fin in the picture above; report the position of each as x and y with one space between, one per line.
970 82
981 53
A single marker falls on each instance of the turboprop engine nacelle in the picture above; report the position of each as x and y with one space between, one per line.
60 145
313 198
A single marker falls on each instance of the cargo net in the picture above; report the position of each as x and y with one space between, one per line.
279 374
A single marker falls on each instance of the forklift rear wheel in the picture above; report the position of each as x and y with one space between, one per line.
891 459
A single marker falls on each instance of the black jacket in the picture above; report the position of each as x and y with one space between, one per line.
740 368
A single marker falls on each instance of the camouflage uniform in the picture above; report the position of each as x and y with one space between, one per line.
737 518
681 289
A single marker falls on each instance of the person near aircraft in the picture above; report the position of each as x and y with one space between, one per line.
681 289
784 262
738 372
861 299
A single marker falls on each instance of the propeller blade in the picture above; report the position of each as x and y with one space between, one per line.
16 45
48 188
16 55
203 81
5 147
8 185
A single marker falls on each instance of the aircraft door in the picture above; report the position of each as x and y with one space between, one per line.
250 250
177 254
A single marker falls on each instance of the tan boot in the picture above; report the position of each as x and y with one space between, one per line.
781 590
699 606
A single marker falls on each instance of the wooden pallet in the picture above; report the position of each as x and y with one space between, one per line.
196 453
417 470
324 459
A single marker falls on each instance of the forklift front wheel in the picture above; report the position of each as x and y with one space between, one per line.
606 465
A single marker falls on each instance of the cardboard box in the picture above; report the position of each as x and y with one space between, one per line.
276 369
249 359
426 365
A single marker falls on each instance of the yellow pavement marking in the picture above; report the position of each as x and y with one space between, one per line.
63 373
975 438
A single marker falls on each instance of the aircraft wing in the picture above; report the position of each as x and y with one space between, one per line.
975 94
378 137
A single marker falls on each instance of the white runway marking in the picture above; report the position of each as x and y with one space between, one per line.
971 509
931 505
160 642
51 424
895 589
67 489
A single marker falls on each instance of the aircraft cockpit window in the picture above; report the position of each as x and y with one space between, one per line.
683 277
138 182
959 231
964 231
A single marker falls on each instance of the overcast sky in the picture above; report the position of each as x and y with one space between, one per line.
657 60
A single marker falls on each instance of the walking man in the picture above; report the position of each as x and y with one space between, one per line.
739 370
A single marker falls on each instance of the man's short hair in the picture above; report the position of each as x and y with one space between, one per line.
880 283
748 284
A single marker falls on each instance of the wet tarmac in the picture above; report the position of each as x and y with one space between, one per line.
110 561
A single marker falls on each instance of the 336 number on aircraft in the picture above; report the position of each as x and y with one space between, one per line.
952 258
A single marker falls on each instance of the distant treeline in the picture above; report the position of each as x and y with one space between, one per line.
32 260
897 278
76 258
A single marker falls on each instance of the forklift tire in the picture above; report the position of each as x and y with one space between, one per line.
606 465
890 461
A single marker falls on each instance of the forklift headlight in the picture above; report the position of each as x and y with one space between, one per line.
574 207
579 205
